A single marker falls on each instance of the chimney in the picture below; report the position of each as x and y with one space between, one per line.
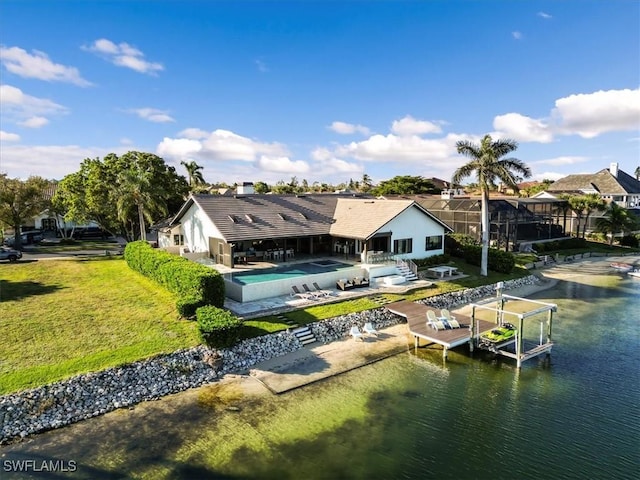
613 169
246 188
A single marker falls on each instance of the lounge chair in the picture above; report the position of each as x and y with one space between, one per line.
434 321
451 320
297 293
320 291
311 292
344 284
356 333
369 329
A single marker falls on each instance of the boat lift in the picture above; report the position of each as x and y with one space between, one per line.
520 355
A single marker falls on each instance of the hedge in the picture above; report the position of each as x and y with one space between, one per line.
218 328
573 242
498 260
194 284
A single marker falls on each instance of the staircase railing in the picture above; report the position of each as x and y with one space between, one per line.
408 263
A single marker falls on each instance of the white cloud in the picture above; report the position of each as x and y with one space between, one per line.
410 126
124 55
348 128
178 147
195 133
544 15
9 137
517 35
565 160
17 106
38 65
547 175
592 114
522 129
220 145
152 114
395 148
34 122
49 161
282 165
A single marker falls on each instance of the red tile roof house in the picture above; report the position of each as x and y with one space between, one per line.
232 230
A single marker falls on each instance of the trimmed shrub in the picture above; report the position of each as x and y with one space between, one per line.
498 260
194 284
218 328
630 241
434 260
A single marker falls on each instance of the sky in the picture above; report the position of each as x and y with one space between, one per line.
325 91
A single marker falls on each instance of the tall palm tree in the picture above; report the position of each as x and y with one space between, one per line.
489 166
615 220
593 202
136 190
637 173
194 174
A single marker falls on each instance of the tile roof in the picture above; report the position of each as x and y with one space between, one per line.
602 181
356 218
246 217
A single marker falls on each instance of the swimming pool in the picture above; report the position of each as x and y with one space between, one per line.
251 285
282 273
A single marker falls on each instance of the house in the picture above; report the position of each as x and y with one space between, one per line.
233 231
612 184
225 228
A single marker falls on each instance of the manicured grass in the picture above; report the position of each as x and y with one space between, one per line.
64 317
45 247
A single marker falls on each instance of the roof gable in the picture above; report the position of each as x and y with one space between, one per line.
362 218
602 182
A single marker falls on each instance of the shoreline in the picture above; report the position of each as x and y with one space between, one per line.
270 365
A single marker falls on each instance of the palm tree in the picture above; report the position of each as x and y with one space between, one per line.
615 220
593 202
637 173
194 173
136 190
489 166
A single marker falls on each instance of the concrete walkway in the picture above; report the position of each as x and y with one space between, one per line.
320 361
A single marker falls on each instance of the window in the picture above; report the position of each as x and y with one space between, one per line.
433 243
178 239
404 245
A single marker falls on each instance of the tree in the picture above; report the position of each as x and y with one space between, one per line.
21 201
583 206
194 174
489 166
405 185
637 173
366 184
616 220
93 194
261 187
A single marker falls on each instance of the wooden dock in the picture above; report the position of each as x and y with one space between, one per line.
416 315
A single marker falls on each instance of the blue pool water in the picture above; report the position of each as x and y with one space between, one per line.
281 273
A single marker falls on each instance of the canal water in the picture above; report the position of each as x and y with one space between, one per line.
574 415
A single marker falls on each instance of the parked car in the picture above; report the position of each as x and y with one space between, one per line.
26 238
9 254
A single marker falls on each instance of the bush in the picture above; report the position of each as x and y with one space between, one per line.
630 241
498 260
218 328
194 284
433 260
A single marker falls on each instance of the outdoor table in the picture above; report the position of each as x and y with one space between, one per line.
442 269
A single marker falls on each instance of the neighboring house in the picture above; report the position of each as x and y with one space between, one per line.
612 184
225 228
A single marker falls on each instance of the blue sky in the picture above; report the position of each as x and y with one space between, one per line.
324 91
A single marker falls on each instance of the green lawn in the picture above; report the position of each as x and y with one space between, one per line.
64 317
